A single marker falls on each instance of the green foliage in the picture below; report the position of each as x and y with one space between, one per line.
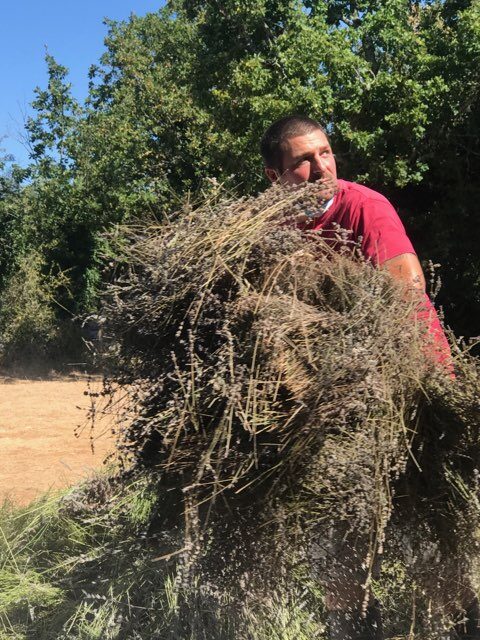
183 95
27 319
73 568
25 590
56 117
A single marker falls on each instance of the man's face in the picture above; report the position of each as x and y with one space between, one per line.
306 158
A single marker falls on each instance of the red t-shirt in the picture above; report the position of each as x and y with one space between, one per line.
375 225
371 219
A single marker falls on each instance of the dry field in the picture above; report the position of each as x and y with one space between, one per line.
45 437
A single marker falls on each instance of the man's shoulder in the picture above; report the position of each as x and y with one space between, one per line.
358 193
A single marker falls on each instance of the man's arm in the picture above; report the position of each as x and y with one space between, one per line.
406 269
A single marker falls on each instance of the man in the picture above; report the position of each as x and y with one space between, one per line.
296 150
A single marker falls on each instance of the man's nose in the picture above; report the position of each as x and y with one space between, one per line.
319 165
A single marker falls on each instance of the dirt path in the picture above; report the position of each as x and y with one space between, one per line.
45 438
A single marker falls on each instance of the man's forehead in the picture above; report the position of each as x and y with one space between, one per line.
297 145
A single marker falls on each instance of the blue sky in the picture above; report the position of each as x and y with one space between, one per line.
74 34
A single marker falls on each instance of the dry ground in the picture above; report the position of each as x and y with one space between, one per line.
46 442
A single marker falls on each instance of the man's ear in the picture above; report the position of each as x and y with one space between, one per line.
271 174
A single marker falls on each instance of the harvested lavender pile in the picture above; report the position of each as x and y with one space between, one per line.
284 388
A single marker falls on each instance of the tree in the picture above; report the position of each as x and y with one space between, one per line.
183 95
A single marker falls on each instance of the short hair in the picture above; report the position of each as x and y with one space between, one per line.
274 138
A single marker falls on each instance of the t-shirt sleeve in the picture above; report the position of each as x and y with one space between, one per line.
383 234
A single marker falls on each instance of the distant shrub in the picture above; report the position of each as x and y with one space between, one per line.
28 324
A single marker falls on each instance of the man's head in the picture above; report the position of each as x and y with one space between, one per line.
296 149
